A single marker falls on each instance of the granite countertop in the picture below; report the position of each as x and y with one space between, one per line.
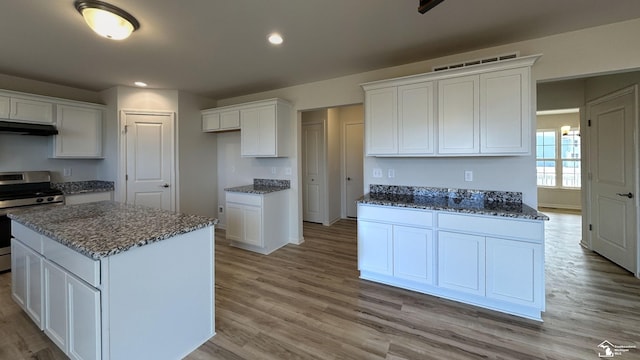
83 187
106 228
261 186
492 203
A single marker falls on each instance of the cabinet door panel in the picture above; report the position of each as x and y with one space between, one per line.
55 322
34 304
459 115
84 320
381 125
79 132
413 254
461 262
415 119
235 222
514 271
252 226
249 132
19 273
505 114
230 120
375 247
31 110
211 122
267 139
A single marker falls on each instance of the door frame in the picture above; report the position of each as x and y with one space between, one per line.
121 183
586 147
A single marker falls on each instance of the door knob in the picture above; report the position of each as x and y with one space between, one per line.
629 195
348 179
165 185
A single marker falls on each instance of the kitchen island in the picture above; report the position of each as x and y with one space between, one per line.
484 248
107 280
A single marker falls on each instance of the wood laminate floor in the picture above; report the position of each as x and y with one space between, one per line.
306 302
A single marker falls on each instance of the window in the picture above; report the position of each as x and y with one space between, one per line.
558 158
546 157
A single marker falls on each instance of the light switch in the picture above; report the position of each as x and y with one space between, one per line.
468 175
66 172
391 173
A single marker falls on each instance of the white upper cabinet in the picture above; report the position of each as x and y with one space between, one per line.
264 126
29 110
215 120
505 111
482 110
79 132
382 121
399 120
459 115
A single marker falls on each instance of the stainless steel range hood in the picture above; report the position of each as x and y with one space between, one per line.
9 127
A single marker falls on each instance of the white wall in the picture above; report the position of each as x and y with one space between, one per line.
197 158
568 55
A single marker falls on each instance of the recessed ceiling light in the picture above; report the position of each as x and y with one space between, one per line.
107 20
140 84
275 39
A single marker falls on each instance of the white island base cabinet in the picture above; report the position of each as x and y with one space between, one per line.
150 302
488 261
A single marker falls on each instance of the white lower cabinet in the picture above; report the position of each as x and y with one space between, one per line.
375 247
413 254
257 222
72 313
489 261
461 262
396 246
26 280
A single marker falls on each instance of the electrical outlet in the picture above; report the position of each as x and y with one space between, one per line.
273 170
287 171
220 209
468 175
377 173
66 172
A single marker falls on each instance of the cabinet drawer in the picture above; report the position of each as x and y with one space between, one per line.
399 216
494 226
245 199
28 237
76 263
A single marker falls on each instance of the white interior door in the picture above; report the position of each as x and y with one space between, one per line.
313 172
354 147
150 173
612 154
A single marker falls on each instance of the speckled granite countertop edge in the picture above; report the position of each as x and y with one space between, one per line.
85 232
261 186
531 214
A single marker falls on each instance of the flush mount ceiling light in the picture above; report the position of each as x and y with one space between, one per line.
107 20
140 84
275 39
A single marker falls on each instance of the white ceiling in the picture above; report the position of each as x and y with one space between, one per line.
218 48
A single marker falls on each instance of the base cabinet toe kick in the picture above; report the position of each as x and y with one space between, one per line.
488 261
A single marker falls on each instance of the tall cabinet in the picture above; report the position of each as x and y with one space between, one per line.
480 110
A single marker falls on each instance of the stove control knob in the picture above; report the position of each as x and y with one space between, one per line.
39 200
50 198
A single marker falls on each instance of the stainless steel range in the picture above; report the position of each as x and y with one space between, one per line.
22 189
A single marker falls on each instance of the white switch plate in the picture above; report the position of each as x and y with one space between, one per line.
377 173
468 175
67 172
391 173
287 171
273 170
